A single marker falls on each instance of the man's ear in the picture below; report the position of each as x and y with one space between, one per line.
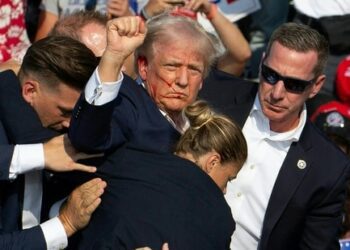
30 90
142 64
212 162
316 87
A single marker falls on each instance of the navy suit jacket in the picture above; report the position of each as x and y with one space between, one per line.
131 118
19 124
305 207
29 239
152 198
136 179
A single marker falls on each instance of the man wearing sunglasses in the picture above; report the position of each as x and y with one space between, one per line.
290 192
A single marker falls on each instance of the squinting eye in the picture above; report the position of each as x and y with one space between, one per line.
170 67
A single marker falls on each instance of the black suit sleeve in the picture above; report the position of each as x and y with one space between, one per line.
29 239
100 128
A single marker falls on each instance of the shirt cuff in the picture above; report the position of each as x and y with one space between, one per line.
26 158
99 93
54 234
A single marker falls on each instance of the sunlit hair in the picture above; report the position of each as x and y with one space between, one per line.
57 59
166 28
301 38
212 132
71 25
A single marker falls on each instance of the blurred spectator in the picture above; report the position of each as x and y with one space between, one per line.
332 19
14 40
52 10
342 81
88 27
258 28
333 118
32 12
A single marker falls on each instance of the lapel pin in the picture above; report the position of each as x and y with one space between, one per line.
301 164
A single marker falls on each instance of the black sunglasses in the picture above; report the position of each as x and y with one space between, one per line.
290 83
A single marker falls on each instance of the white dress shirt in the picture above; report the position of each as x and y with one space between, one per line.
29 160
249 194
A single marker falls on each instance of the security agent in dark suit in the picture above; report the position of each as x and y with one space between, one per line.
298 203
13 131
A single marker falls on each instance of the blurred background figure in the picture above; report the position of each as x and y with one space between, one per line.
342 81
52 10
258 27
333 118
332 19
88 27
14 40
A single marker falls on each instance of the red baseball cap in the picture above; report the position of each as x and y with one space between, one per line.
333 118
342 81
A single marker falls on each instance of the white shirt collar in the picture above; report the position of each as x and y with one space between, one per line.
264 126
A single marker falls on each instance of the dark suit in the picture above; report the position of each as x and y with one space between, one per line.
19 124
131 118
29 239
152 198
305 207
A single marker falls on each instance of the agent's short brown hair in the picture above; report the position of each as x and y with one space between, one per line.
59 59
301 38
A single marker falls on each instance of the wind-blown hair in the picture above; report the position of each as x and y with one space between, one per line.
208 132
165 28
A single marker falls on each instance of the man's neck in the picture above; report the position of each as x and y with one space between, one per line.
281 127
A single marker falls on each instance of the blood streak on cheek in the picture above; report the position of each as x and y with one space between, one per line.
170 84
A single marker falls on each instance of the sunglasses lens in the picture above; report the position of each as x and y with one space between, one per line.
291 84
269 75
295 85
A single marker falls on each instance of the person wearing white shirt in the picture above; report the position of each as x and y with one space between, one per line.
290 192
52 98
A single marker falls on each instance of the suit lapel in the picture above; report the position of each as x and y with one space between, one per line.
240 107
293 170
